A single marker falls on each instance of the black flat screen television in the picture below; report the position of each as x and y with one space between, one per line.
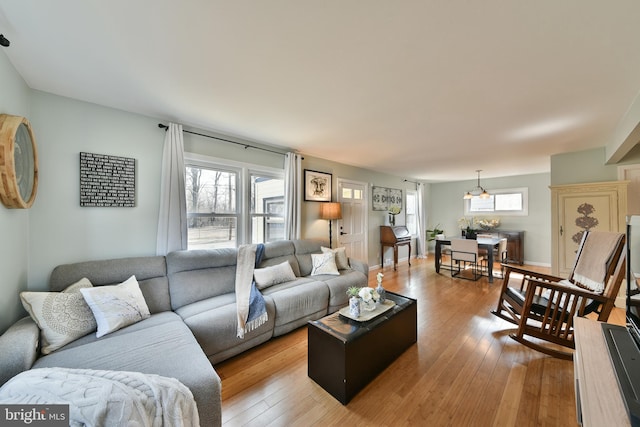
623 343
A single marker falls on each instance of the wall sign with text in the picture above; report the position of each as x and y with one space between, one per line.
383 199
107 181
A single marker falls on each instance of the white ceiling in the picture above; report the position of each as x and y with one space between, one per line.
425 89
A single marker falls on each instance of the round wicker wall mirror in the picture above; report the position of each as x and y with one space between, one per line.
18 162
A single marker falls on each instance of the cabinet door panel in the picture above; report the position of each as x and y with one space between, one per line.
594 211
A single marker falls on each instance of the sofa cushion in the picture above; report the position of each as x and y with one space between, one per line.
61 316
117 306
150 272
164 348
208 304
272 275
200 274
215 326
303 251
294 301
338 286
342 261
278 252
155 320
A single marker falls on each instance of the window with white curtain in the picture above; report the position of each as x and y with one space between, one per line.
411 211
231 203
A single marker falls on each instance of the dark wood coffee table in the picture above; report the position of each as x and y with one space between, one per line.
344 355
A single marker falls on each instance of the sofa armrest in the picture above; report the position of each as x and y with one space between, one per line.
18 348
359 266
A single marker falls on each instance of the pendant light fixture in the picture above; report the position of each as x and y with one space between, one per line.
478 190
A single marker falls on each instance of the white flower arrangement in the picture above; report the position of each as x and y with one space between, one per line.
369 294
394 210
366 294
466 223
379 277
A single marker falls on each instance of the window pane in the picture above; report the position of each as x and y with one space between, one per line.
477 204
357 194
264 188
267 208
411 204
347 193
207 232
411 212
210 190
266 229
509 202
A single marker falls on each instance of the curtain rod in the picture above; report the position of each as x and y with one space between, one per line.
414 182
245 145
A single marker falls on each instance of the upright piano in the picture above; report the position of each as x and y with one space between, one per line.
394 236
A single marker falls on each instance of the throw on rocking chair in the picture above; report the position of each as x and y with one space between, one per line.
543 306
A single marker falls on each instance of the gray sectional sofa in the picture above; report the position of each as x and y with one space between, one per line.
191 298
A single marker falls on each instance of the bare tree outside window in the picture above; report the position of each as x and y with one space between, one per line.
211 207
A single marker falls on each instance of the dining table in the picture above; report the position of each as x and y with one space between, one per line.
488 243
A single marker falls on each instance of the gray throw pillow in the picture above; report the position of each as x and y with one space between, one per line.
273 275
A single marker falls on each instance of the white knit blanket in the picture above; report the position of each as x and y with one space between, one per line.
106 398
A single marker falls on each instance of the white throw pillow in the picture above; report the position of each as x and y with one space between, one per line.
342 261
269 276
61 316
116 306
324 264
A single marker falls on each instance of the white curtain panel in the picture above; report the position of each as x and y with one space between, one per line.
421 227
292 194
172 221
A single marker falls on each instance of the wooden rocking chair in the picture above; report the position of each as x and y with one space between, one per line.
543 306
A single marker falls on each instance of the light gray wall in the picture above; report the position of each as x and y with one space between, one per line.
60 230
14 223
588 166
446 207
224 150
581 167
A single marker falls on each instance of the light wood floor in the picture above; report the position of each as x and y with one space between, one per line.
463 371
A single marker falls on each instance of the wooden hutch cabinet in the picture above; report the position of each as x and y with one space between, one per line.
599 206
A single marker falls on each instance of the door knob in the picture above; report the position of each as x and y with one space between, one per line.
342 232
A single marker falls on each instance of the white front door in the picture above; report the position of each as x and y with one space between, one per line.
352 228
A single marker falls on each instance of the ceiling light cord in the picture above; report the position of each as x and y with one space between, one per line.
482 193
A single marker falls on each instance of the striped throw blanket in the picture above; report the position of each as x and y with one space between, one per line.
251 309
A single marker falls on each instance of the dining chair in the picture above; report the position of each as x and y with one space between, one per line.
464 253
502 254
483 252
